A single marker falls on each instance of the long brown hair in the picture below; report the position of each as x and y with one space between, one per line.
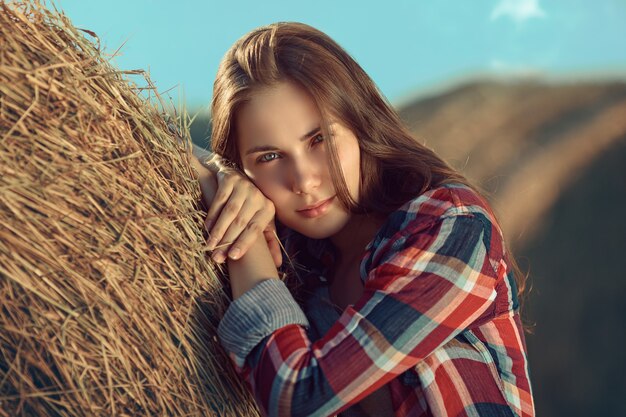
395 167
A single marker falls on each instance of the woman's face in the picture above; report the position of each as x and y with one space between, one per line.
284 153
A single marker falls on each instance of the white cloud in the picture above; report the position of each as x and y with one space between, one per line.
505 68
518 10
498 64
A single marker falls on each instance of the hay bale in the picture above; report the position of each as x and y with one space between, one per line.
109 304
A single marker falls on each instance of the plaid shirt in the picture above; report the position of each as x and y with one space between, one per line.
438 322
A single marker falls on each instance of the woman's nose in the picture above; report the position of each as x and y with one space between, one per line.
305 177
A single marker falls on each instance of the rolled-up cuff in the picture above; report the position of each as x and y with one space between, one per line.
257 313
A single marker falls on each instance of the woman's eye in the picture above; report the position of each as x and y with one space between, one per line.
315 140
267 157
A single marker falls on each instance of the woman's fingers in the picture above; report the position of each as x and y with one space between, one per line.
246 228
250 222
222 195
223 213
237 236
242 234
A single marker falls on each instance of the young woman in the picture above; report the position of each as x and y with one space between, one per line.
404 299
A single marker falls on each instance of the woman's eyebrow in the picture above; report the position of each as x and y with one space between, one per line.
264 148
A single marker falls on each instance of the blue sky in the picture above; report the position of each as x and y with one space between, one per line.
408 47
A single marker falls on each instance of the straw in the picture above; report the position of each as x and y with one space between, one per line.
109 302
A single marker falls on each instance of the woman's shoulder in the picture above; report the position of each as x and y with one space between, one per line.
448 199
435 205
445 213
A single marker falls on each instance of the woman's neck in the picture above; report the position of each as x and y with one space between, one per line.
350 241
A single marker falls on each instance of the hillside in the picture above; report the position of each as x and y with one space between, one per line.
525 142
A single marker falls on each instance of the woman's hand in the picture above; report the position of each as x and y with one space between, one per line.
237 213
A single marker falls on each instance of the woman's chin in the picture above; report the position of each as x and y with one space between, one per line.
318 228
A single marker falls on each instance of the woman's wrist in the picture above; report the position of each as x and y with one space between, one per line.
207 181
211 161
254 266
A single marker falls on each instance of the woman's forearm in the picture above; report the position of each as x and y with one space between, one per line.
253 267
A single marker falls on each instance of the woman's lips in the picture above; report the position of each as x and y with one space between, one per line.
317 211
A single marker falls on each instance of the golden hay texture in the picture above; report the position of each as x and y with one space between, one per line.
109 304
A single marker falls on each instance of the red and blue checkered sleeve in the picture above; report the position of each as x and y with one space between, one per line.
425 284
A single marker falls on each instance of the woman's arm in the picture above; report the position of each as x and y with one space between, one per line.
255 266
